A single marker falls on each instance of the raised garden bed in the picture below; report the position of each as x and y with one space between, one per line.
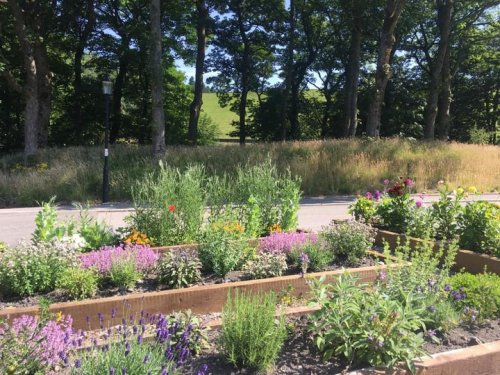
299 354
470 261
200 299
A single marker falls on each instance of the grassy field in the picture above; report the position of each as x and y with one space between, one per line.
325 167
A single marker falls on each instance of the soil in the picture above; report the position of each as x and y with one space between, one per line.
299 355
149 285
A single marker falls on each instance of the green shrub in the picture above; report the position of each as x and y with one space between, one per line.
446 212
220 253
364 326
28 269
96 234
266 265
79 283
319 257
47 228
422 224
251 336
347 240
363 209
169 205
396 212
480 228
480 292
179 269
123 273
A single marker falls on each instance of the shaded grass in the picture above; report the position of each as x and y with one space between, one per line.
326 167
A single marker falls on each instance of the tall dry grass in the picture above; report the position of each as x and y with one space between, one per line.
326 167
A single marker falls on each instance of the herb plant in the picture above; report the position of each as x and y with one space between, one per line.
251 336
179 269
79 283
266 265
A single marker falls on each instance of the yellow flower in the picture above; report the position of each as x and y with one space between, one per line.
59 317
275 228
460 191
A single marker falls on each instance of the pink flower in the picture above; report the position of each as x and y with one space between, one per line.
408 183
369 195
419 202
386 182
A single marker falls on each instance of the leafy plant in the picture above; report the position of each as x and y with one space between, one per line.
266 265
422 224
47 227
446 212
179 268
395 208
123 273
318 257
96 234
220 253
363 209
79 283
362 325
251 336
479 292
480 228
347 240
28 269
169 205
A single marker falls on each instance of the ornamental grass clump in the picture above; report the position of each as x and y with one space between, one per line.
285 242
31 346
251 335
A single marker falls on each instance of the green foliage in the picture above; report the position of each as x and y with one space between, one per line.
266 265
396 212
169 205
422 224
480 292
363 209
319 257
362 325
27 269
347 240
179 269
96 234
251 335
480 228
47 227
447 213
78 283
219 252
123 273
3 246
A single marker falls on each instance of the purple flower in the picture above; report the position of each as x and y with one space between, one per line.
78 363
369 195
377 195
139 339
146 358
144 258
386 182
447 288
112 371
284 243
380 343
430 333
203 370
419 202
382 276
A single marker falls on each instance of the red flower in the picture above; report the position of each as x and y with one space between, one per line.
171 207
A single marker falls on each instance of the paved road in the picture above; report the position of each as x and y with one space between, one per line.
18 223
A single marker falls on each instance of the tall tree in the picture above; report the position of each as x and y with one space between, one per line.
201 40
444 16
157 81
393 10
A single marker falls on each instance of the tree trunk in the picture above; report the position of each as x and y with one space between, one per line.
288 66
44 94
118 89
352 82
245 67
444 100
444 10
31 84
157 82
393 11
195 108
78 114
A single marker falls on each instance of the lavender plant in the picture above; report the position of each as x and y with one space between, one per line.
285 242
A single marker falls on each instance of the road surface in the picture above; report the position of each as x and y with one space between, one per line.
18 223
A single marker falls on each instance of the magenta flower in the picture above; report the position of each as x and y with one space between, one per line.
386 182
144 258
369 195
419 202
284 243
377 195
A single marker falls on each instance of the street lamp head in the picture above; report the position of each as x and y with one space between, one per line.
107 86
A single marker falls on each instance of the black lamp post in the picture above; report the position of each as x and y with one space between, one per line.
107 89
